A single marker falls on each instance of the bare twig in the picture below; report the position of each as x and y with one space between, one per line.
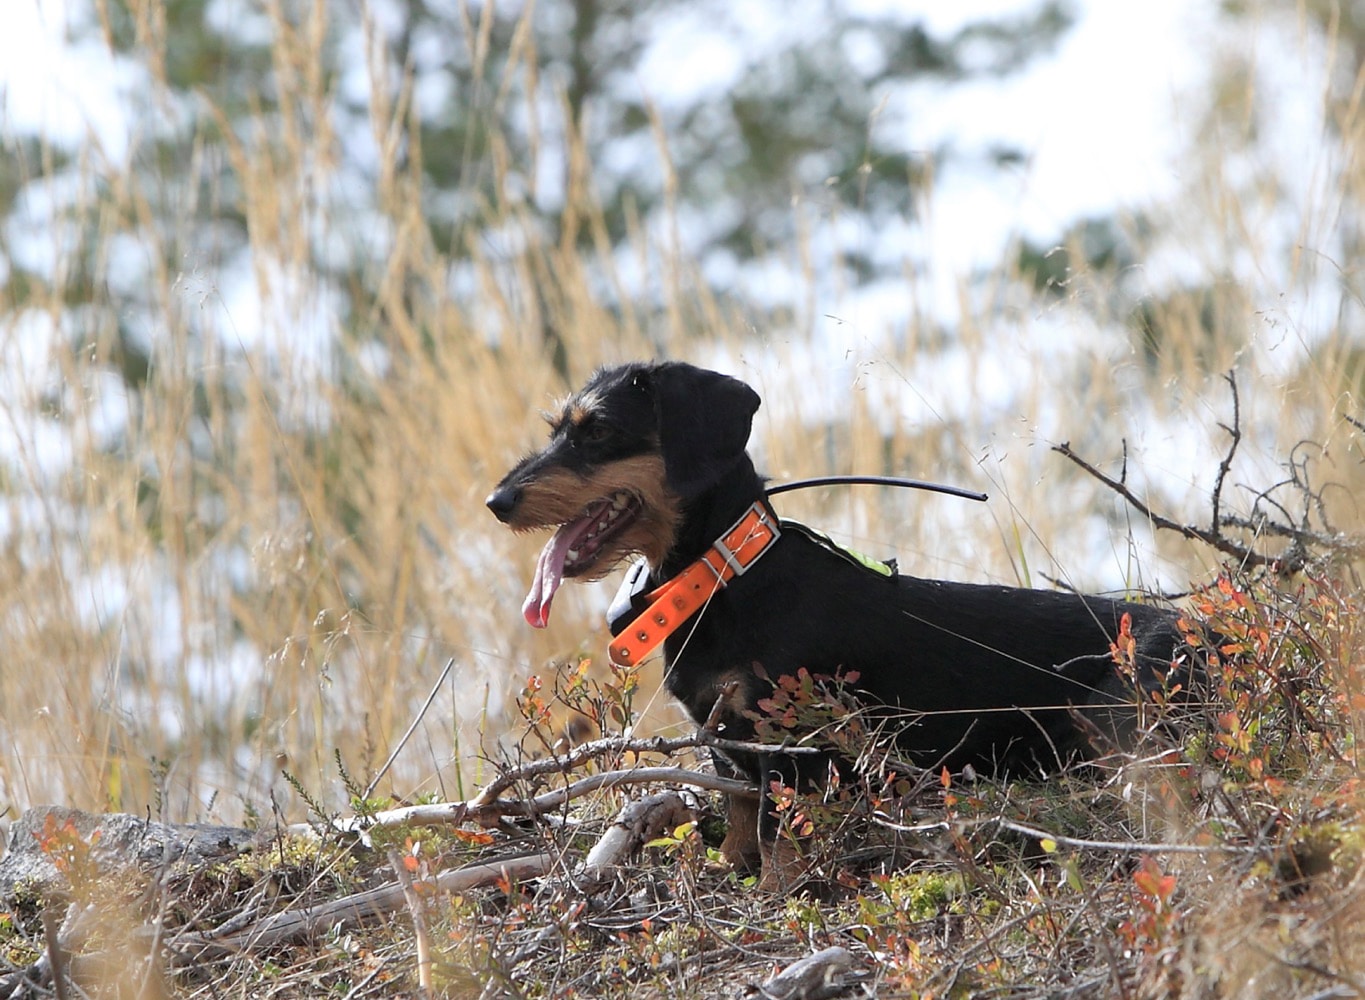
421 714
550 801
712 723
1120 846
1235 435
56 953
419 920
1302 539
615 746
487 807
488 813
1215 539
577 757
60 957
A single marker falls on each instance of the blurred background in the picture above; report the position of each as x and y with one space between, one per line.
285 285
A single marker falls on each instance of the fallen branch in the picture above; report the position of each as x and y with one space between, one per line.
490 813
487 808
62 961
419 919
1061 840
639 822
357 908
618 745
56 953
1123 846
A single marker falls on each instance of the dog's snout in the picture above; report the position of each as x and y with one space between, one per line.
503 501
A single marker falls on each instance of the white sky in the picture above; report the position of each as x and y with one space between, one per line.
63 90
1107 138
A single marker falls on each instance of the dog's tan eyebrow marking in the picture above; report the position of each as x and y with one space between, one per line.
580 407
574 410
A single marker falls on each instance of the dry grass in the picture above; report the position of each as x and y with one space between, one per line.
262 554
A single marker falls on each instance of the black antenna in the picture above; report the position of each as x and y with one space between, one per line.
910 484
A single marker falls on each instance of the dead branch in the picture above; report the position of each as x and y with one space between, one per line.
1122 846
1080 844
62 960
1235 438
615 746
490 813
419 919
1211 537
357 908
550 801
640 821
1302 540
56 953
487 808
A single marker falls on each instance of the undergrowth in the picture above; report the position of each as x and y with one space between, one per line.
1224 863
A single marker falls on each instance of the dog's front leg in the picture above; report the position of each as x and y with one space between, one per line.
740 848
784 866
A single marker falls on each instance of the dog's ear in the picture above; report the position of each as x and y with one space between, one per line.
703 419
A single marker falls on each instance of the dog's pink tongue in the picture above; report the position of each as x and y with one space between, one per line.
550 573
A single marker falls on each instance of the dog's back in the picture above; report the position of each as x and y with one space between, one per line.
990 676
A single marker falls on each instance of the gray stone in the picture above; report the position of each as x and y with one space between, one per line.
126 843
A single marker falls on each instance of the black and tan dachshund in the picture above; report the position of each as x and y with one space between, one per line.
649 459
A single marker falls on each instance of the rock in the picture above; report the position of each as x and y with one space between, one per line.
125 843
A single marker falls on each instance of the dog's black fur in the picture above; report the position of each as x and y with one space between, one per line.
1000 678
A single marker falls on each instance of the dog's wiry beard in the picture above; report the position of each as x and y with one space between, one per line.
619 510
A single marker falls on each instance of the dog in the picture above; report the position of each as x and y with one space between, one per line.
649 459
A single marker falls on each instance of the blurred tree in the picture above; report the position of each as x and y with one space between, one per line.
695 119
721 115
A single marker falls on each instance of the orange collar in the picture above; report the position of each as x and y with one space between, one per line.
672 603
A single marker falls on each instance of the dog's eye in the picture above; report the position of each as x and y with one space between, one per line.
595 432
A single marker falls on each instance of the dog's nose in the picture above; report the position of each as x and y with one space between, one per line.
503 501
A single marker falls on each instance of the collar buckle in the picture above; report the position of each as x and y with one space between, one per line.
751 528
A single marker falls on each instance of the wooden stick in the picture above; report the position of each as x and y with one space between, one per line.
358 907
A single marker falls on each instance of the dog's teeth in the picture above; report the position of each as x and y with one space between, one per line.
613 514
573 555
620 502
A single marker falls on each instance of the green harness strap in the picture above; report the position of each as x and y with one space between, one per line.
881 567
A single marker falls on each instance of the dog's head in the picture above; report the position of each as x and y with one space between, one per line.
625 453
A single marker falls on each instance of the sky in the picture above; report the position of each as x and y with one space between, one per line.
1121 76
64 90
